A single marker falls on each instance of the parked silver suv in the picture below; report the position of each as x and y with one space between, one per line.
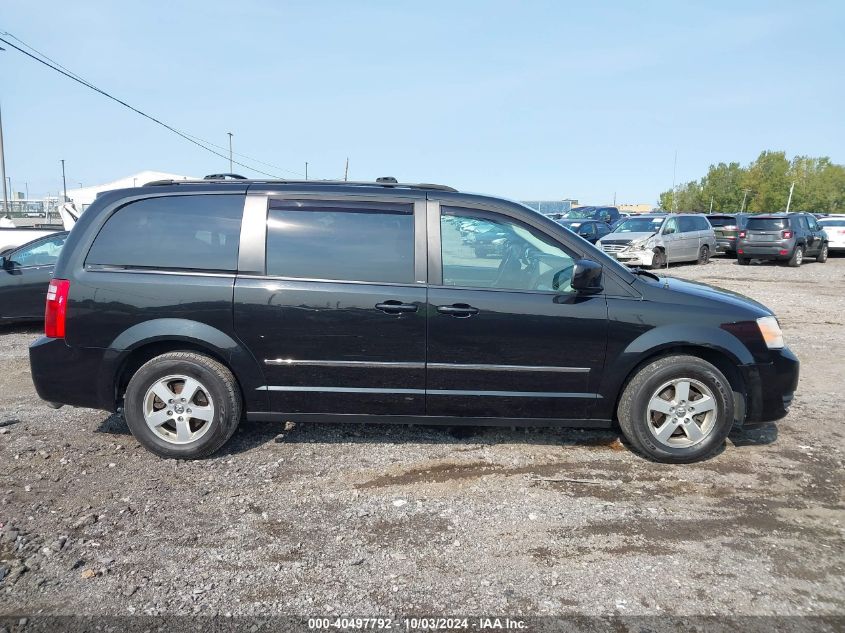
656 240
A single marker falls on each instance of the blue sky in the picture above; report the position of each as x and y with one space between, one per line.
521 99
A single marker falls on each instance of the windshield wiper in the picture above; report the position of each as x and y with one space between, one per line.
646 273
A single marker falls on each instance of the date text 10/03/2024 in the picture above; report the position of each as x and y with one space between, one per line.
413 624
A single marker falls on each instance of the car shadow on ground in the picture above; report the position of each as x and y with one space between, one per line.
251 435
35 328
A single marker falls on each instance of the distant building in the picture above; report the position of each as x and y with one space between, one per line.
84 196
635 208
551 206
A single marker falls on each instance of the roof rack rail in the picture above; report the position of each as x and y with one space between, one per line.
388 181
224 177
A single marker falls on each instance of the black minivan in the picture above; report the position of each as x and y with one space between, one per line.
192 304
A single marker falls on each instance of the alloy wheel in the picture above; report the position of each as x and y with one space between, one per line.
178 409
681 413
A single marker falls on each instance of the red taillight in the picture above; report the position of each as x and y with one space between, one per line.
786 234
742 233
783 251
740 252
54 315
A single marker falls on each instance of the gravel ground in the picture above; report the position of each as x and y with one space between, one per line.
366 520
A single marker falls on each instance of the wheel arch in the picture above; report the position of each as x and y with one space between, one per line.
714 345
144 341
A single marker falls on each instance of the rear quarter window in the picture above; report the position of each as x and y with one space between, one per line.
195 232
766 224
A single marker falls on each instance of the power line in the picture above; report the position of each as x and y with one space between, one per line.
199 142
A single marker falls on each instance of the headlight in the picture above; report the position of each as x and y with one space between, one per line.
770 329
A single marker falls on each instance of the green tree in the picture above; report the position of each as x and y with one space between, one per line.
819 186
767 178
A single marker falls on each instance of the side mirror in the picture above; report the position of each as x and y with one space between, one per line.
5 264
586 277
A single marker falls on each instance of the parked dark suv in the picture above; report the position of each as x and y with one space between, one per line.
788 237
726 227
193 304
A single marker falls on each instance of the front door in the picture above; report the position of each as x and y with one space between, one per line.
336 316
27 275
507 337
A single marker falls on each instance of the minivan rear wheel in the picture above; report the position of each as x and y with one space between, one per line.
677 409
182 405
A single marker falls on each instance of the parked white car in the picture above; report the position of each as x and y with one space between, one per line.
12 236
834 226
656 240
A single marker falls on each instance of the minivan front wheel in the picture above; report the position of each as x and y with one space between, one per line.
182 405
677 409
704 255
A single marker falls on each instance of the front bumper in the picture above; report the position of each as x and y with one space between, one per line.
771 387
634 258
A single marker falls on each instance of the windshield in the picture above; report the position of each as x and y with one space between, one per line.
583 213
832 222
722 220
640 225
766 224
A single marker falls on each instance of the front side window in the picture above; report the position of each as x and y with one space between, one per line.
342 241
485 250
686 224
193 232
42 253
671 226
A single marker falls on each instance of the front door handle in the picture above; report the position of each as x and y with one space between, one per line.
396 307
460 310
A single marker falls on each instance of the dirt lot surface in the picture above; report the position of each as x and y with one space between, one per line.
393 520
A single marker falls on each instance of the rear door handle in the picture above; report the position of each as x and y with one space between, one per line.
396 307
460 310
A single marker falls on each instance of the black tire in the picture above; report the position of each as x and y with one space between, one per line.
704 255
634 408
659 259
223 395
797 257
822 256
742 261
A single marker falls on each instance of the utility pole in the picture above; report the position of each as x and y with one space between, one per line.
64 182
306 170
745 193
231 171
3 169
346 170
26 186
711 204
674 173
789 201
